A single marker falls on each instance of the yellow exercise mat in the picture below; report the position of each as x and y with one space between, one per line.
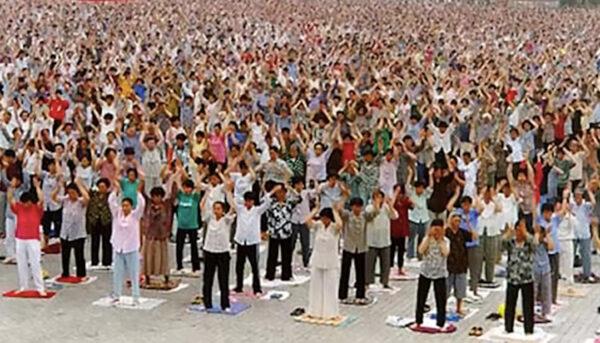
335 322
161 285
573 292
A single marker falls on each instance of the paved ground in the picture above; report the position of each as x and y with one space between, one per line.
70 317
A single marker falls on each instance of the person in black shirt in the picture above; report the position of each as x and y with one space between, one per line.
458 262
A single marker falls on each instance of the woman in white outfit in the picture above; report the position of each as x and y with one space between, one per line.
322 297
566 235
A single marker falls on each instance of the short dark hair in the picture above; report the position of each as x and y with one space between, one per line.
129 151
157 191
548 207
249 196
127 199
72 186
10 153
327 213
108 151
132 170
27 197
437 222
356 202
188 183
104 181
466 199
296 180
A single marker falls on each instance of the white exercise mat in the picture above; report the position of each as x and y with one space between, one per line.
126 302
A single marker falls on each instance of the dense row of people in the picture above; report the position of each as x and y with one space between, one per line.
328 123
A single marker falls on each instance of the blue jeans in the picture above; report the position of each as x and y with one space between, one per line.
417 230
585 250
131 262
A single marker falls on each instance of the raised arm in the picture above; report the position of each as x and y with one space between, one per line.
85 196
141 205
37 184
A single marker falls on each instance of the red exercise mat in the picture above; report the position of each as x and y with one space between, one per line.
70 279
52 249
429 329
30 294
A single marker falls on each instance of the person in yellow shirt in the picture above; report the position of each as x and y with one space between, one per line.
126 81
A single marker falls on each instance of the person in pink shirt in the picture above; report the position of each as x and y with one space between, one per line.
125 241
107 166
216 144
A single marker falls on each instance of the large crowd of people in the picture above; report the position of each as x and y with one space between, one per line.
384 130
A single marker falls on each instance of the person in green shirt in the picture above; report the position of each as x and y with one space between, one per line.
562 166
188 223
130 185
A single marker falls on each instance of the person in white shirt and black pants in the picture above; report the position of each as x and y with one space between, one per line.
216 254
247 238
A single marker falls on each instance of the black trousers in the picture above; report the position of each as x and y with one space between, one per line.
398 244
360 261
65 250
216 263
192 235
302 231
49 218
55 125
555 274
249 252
101 234
439 290
528 221
512 293
275 245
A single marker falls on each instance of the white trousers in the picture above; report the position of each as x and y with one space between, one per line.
567 259
9 241
322 296
29 263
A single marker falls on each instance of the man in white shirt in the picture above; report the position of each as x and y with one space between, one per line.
469 168
388 173
301 211
242 181
247 238
442 137
216 254
513 141
488 227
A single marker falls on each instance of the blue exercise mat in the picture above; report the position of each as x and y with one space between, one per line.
450 317
236 308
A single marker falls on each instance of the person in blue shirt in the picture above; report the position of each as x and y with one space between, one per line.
545 235
548 223
140 90
582 210
468 222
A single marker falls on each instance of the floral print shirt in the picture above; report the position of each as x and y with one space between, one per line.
520 260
